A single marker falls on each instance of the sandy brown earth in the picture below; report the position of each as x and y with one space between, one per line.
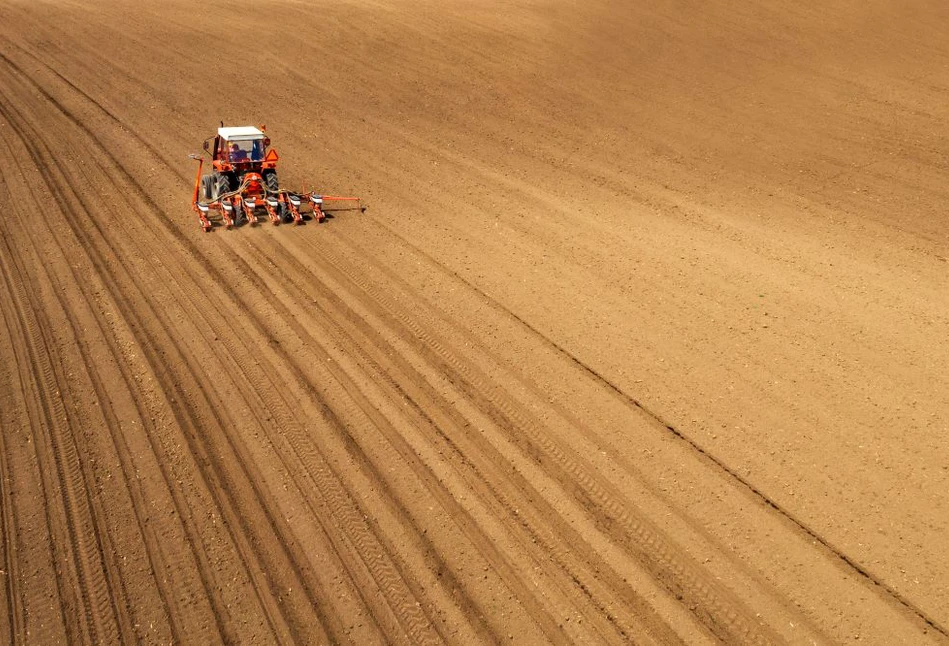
642 337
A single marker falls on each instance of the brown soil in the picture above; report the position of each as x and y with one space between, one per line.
642 337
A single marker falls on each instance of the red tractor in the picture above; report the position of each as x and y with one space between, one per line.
244 179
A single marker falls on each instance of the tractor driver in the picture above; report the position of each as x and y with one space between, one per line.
237 153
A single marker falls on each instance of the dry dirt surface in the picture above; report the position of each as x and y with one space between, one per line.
642 337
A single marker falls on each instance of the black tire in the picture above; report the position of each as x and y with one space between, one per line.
207 188
270 181
273 188
222 185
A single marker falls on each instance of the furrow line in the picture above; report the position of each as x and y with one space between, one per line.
714 607
542 531
533 398
34 588
349 439
345 510
45 163
13 631
291 570
261 385
83 521
160 559
88 585
530 508
876 583
357 406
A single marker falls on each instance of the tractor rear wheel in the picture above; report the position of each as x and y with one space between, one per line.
222 185
270 181
207 188
273 188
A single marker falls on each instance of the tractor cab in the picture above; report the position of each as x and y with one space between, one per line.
239 149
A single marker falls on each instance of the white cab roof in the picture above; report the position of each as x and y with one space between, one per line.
240 133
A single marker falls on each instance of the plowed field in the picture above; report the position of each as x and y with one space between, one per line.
641 337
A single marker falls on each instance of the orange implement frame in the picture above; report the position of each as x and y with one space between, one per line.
252 194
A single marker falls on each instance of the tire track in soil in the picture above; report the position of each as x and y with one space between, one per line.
13 630
534 398
506 491
722 613
61 198
39 549
336 502
102 592
407 607
876 583
44 162
359 546
367 413
75 530
355 419
32 588
119 595
287 280
160 559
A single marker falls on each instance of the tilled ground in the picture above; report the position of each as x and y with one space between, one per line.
640 339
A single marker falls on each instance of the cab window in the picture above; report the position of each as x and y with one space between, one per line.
242 151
